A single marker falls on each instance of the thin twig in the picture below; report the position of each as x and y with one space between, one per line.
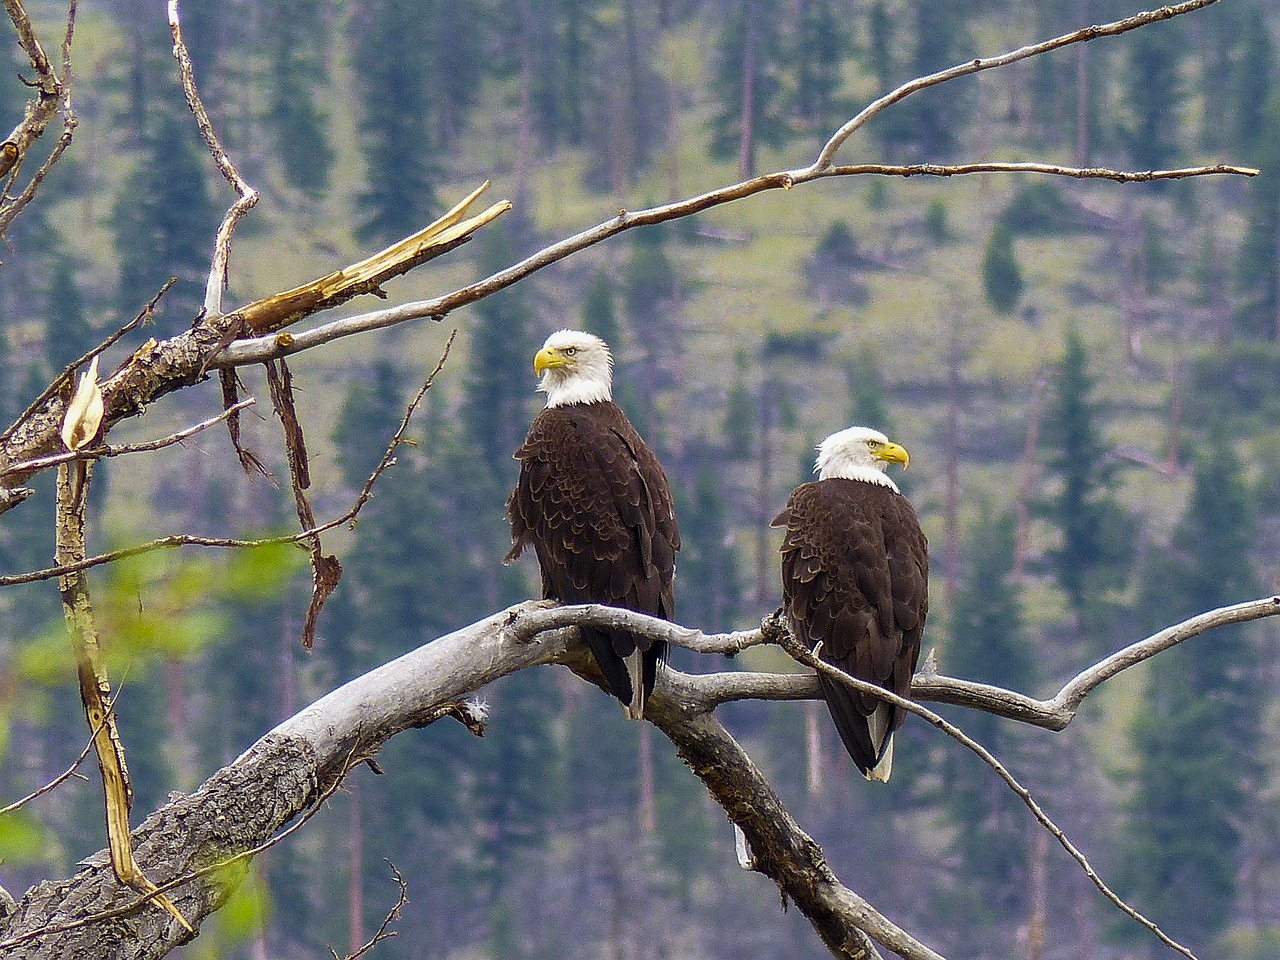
392 915
107 450
187 540
248 197
828 152
799 652
53 96
71 770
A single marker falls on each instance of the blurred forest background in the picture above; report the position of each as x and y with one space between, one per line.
1087 376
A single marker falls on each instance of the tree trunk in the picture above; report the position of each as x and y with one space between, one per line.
746 139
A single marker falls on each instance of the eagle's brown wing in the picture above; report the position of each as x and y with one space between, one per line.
595 504
855 578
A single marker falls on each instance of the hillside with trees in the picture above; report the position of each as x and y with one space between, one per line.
1086 373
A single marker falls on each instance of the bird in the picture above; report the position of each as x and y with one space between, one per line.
594 503
855 585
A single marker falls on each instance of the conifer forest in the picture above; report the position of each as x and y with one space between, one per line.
1054 279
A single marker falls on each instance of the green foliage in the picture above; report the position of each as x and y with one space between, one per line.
1039 208
1154 94
500 372
936 227
710 591
817 57
164 222
932 118
746 57
244 915
1002 281
1093 554
399 194
298 32
1253 87
68 335
739 426
22 839
987 644
1258 265
880 45
599 312
370 414
866 393
1234 388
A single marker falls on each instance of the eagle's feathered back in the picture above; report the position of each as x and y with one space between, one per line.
594 502
855 573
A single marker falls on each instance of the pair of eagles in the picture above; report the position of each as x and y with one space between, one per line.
594 503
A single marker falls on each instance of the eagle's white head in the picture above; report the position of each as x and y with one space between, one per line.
575 367
859 453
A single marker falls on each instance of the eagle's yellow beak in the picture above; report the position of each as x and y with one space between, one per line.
892 453
546 358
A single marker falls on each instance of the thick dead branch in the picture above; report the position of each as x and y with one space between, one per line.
1054 713
288 772
450 231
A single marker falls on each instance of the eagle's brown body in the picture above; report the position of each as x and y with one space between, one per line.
855 574
594 502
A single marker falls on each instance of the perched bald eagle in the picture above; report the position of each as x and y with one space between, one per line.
595 504
855 579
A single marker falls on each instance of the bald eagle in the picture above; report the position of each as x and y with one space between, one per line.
855 572
595 504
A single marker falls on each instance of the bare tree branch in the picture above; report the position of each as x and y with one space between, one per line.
828 152
261 349
289 770
106 450
247 196
187 540
53 96
1054 713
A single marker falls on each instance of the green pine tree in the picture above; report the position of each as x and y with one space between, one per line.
68 335
987 644
818 54
1198 739
1095 531
599 311
866 393
396 99
746 57
1258 264
710 593
499 391
740 411
1154 94
370 414
164 222
298 32
1002 281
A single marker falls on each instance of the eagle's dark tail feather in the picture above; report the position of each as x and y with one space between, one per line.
604 647
854 728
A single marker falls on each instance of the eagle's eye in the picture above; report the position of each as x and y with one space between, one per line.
570 351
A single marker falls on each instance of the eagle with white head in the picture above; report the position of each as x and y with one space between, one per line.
855 585
595 504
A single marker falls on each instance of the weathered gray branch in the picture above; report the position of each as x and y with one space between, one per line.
291 769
